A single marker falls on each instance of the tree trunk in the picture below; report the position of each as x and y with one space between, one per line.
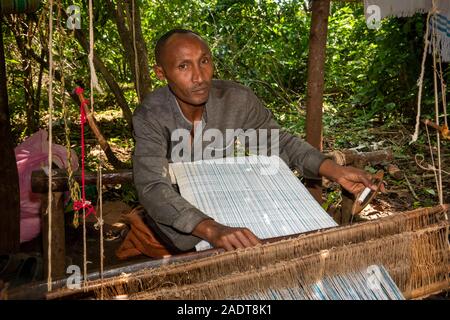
32 108
109 78
37 98
123 16
9 187
143 69
24 33
316 63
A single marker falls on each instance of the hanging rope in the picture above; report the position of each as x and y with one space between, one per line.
50 142
100 221
422 73
436 104
83 204
444 93
94 79
74 187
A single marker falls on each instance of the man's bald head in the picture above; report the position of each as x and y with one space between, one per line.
162 41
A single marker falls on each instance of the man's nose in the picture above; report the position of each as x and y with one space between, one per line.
197 75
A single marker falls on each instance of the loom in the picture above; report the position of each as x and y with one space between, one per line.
405 255
411 246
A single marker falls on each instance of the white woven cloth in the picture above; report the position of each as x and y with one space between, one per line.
373 283
257 192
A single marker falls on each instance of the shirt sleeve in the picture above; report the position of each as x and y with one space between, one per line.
176 216
301 155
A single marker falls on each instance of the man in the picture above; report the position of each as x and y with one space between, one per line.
192 97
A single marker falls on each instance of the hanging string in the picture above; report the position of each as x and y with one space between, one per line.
83 204
50 142
94 79
100 197
443 92
74 188
436 105
422 73
428 167
436 178
136 60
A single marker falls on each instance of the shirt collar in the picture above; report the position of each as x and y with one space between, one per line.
181 120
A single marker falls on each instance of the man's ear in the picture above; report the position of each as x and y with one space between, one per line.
159 72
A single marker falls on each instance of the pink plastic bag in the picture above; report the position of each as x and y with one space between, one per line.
31 155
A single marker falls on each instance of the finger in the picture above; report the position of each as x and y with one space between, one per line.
251 236
242 237
227 245
235 242
366 179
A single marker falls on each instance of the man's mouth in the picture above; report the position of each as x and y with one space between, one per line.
201 90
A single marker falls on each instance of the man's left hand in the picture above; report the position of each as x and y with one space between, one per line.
352 179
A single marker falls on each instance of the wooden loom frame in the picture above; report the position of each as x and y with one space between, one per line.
183 270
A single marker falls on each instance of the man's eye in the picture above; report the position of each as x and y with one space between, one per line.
205 60
182 66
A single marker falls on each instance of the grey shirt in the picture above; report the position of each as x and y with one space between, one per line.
230 106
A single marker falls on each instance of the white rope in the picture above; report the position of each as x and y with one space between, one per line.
428 167
420 81
50 141
436 178
436 109
94 79
100 195
443 91
93 83
339 157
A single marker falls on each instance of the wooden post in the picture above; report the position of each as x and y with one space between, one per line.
314 97
58 258
9 185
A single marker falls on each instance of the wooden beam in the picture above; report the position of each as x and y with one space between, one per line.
360 159
58 236
9 187
314 96
39 180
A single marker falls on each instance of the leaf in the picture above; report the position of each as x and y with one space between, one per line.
370 169
12 61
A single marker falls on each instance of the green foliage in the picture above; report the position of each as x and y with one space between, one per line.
373 73
370 75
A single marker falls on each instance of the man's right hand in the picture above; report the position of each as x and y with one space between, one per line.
228 238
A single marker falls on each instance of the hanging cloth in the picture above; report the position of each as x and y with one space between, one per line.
404 8
407 8
442 24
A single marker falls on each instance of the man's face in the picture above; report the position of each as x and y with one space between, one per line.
186 64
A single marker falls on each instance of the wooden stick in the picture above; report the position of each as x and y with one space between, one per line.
39 180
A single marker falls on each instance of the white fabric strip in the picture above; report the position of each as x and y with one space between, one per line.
257 192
